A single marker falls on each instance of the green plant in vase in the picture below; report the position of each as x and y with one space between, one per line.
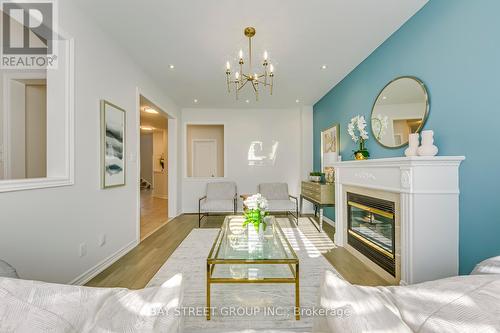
357 130
255 211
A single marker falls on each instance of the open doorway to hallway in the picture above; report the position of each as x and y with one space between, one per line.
154 168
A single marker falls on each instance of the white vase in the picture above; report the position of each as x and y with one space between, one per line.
261 232
413 143
427 148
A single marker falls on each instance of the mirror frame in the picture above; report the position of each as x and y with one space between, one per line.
424 118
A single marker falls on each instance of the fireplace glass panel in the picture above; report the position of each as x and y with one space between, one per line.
371 231
373 227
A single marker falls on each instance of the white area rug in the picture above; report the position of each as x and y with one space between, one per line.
190 259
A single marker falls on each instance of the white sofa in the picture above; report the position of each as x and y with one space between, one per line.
32 307
458 304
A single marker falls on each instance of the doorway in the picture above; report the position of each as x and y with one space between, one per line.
153 168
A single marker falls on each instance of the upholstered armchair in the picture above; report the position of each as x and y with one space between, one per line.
221 197
279 200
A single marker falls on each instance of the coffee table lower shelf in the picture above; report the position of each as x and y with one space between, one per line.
294 268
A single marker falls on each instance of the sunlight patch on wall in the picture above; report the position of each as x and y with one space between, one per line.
260 154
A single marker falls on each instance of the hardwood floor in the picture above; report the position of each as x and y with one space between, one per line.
154 213
136 268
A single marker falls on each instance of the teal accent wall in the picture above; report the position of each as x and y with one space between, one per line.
454 48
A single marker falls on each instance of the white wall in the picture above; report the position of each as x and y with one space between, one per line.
292 128
41 230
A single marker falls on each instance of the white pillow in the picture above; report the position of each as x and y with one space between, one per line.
488 266
358 309
7 270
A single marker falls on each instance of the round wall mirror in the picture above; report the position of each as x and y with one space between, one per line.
400 109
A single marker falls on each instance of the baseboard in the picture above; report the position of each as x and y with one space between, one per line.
329 221
92 272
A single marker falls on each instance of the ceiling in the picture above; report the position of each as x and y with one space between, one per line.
199 36
152 120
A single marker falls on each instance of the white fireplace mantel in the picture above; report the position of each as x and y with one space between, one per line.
429 193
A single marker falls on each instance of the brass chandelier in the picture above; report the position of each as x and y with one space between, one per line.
252 78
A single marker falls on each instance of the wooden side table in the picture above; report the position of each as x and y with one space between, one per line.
321 195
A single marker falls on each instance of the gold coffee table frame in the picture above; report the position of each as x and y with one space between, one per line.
293 264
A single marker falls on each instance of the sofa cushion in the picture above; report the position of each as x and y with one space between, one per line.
356 309
219 206
274 191
281 205
65 308
7 270
457 304
221 191
488 266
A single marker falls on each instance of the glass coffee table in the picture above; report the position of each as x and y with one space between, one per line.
240 255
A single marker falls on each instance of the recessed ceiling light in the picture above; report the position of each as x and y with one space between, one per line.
150 110
324 67
147 128
248 101
384 97
195 100
171 66
297 101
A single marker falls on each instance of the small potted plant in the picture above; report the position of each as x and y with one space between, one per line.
358 133
316 176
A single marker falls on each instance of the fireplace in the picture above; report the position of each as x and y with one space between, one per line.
371 229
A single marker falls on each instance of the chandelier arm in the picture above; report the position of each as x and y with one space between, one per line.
265 84
254 87
242 85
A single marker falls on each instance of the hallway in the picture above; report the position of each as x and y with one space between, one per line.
154 212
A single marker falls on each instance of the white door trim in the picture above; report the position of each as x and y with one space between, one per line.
172 157
184 157
65 176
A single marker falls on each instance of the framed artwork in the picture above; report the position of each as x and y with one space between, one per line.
113 153
330 146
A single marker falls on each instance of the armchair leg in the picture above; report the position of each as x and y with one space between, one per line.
297 212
